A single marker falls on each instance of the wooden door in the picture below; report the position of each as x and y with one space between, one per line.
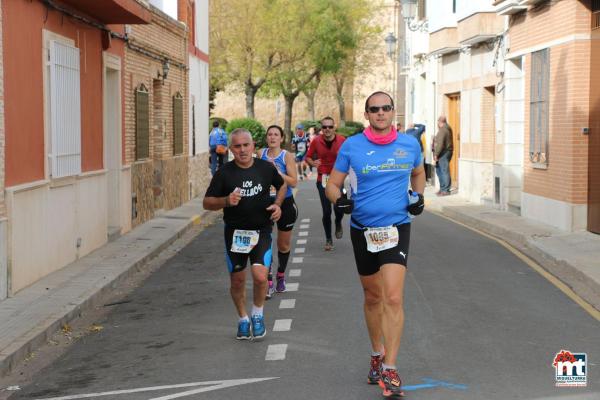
453 118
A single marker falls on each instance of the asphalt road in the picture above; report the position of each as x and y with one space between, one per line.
480 324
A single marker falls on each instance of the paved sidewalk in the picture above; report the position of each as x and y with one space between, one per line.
573 258
30 317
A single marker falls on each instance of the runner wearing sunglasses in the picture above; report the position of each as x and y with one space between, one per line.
381 164
321 154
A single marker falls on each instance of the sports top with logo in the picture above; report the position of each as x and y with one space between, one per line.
326 152
254 182
301 143
279 162
379 177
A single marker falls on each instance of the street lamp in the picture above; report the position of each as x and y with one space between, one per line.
409 12
390 45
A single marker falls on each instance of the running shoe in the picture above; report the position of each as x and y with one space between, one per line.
280 284
375 371
271 290
391 383
329 245
339 232
258 326
243 332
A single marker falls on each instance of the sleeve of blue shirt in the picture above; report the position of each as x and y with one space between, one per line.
342 162
418 155
212 141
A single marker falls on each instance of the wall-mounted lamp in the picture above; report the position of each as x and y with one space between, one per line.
390 45
409 12
165 71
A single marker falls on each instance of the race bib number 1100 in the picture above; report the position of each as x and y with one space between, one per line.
379 239
244 241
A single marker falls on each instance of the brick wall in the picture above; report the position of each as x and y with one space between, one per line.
566 176
165 185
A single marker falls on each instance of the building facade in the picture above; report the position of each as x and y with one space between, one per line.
3 219
156 115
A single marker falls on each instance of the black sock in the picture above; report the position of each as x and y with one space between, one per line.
283 260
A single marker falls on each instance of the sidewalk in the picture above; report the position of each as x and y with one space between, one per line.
29 318
573 258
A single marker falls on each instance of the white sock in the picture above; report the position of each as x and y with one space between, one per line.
257 310
385 366
244 318
375 354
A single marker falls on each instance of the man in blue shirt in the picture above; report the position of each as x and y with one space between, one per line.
217 143
380 164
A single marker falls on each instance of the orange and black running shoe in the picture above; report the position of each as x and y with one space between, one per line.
391 383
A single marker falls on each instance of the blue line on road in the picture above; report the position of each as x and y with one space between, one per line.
429 383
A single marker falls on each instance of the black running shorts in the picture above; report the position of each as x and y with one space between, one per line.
289 214
260 254
369 263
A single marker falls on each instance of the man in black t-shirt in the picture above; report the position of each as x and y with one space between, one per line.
242 189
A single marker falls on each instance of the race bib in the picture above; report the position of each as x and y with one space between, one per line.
324 180
273 191
301 147
379 239
244 241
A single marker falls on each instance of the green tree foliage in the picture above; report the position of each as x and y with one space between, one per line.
253 126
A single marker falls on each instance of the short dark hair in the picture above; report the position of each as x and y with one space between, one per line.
215 124
375 94
280 129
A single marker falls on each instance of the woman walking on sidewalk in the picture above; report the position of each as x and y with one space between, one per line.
286 165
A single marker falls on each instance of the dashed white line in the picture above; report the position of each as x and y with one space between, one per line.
295 273
303 233
282 325
291 287
305 220
297 260
299 250
276 352
301 241
287 303
304 226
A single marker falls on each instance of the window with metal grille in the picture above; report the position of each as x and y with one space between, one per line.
65 110
177 124
142 123
595 14
539 108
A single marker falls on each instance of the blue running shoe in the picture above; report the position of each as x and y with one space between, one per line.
243 330
258 326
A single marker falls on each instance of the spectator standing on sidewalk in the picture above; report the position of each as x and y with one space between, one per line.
381 164
322 154
442 154
217 143
242 189
285 164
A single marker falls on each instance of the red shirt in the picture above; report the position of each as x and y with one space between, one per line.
319 150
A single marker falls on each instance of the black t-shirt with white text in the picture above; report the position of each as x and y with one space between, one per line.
255 183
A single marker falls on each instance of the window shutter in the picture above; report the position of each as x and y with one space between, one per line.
539 107
177 124
142 123
65 110
421 10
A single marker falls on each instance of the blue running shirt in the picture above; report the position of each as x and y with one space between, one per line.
379 178
280 164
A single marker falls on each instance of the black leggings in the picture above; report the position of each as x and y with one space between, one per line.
327 206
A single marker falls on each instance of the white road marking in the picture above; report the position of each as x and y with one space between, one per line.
287 303
303 233
299 250
295 273
301 241
291 287
282 325
305 220
297 260
276 352
304 226
212 385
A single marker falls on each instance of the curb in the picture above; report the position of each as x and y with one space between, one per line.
586 288
18 351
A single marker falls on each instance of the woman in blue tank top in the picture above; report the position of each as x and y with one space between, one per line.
286 165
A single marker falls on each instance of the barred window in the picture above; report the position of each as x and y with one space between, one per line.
177 124
538 105
142 123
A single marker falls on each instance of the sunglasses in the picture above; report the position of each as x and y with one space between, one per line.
327 126
374 109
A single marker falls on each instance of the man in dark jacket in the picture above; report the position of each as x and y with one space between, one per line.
442 154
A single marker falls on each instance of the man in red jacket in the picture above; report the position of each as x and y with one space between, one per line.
322 154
